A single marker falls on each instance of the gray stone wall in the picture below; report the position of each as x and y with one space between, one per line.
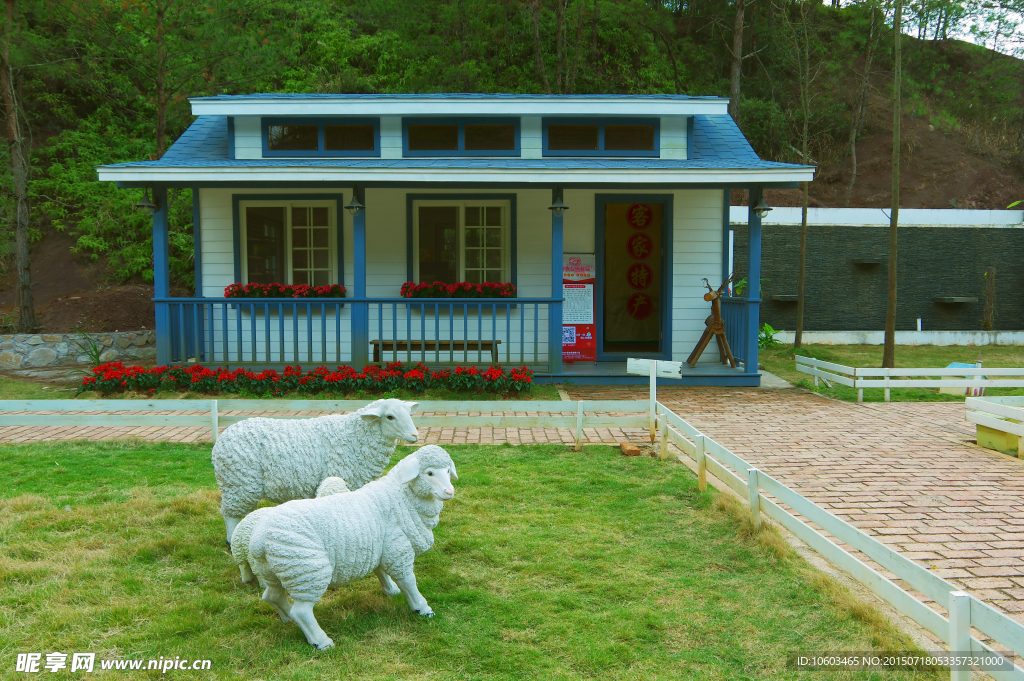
843 295
41 350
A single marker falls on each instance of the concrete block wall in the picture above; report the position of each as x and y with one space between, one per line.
20 351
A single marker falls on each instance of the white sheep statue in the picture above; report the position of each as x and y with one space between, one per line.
301 548
243 531
280 460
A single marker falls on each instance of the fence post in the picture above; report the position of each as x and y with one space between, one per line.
959 633
214 420
653 363
702 463
755 498
887 384
579 425
860 391
663 454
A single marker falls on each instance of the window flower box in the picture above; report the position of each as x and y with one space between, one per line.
253 290
465 289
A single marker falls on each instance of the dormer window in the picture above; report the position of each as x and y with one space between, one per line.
601 137
460 137
321 137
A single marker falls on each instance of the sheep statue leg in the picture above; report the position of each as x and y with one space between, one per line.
417 603
278 600
386 583
302 613
230 524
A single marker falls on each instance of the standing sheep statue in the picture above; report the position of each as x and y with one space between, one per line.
243 531
301 548
280 460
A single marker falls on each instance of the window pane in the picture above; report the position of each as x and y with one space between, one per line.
493 257
300 259
628 137
300 278
348 137
473 238
320 217
433 136
300 217
300 238
321 278
321 238
572 136
494 238
264 244
292 137
472 257
493 276
473 217
492 136
473 276
438 243
494 216
320 260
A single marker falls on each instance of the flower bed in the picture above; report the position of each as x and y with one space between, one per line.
253 290
115 377
465 289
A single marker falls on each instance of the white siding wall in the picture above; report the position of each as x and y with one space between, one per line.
673 137
696 249
391 137
530 137
248 138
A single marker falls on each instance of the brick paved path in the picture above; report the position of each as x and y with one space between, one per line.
904 472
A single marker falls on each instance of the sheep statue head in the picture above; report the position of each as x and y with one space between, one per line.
430 470
394 417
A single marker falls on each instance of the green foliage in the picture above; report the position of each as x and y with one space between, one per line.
766 337
765 125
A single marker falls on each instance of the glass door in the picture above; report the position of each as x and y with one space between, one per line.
632 279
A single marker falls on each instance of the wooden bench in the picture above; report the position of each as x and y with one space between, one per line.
434 345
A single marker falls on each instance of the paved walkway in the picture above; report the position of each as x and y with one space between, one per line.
904 472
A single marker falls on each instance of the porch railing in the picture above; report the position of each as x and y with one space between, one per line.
737 314
281 331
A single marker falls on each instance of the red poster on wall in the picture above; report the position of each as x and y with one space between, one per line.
579 333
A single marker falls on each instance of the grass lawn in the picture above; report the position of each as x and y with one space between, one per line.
781 362
548 564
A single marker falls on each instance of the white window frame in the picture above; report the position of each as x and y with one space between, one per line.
462 204
332 224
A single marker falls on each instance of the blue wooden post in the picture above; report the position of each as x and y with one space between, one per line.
753 279
161 277
726 227
360 311
555 312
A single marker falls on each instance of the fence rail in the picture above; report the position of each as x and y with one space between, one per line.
861 378
279 331
766 495
1005 414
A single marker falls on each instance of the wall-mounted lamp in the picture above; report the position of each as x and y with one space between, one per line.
558 206
146 204
762 208
354 206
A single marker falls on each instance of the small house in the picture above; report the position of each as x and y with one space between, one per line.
604 213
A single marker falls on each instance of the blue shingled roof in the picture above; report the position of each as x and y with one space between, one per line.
718 144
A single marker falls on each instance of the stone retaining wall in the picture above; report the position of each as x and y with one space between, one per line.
43 349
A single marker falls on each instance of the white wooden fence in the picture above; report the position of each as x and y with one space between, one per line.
765 495
993 412
860 378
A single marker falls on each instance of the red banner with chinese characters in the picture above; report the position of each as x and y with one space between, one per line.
579 333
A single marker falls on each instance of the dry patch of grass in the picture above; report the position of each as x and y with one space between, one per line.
548 564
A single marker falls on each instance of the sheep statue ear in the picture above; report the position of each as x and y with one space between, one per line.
407 469
413 406
370 414
455 476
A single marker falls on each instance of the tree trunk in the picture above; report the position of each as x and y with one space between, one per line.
889 353
737 62
857 120
538 58
805 95
19 174
161 89
562 76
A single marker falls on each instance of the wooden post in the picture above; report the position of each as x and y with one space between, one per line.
959 632
860 393
579 425
702 463
815 381
214 420
555 309
653 364
755 498
663 454
1020 446
887 385
162 277
360 311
